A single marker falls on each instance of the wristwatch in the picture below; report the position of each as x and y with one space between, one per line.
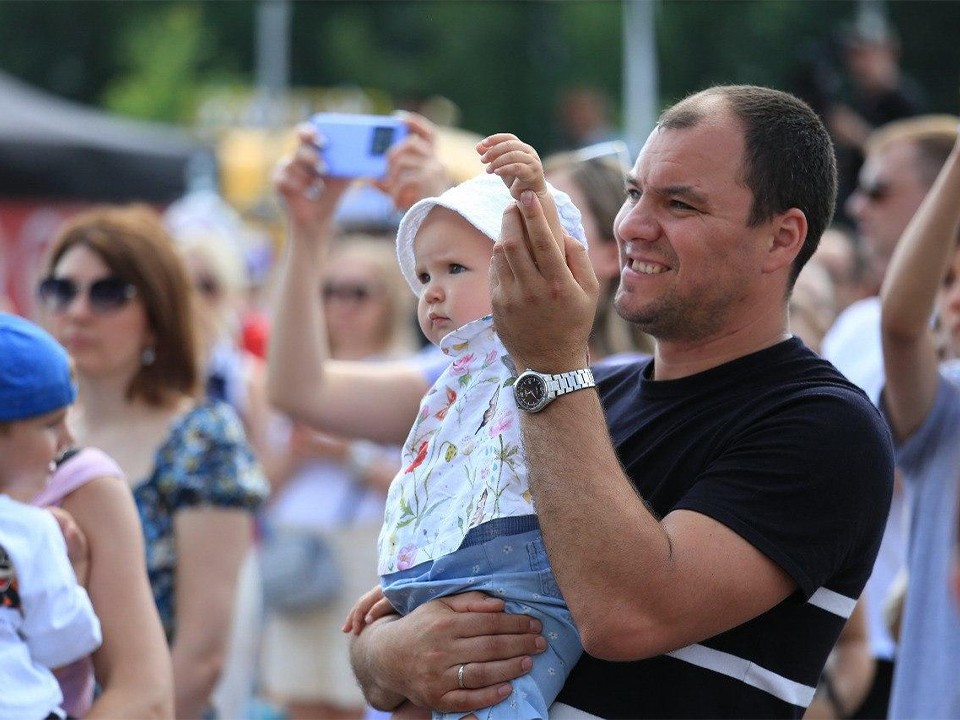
533 391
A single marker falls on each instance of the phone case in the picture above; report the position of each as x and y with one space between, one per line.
356 145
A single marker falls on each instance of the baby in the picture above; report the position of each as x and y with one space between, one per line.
459 514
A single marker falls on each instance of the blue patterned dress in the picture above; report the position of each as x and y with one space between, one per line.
205 461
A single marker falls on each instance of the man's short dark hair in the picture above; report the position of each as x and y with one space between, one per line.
789 160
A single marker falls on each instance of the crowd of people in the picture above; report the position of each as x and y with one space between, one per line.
573 438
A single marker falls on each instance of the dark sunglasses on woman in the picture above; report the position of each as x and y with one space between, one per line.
348 292
105 295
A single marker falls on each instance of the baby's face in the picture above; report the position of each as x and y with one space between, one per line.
28 450
452 265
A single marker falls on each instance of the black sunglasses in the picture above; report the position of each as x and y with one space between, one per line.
875 191
105 295
347 292
207 286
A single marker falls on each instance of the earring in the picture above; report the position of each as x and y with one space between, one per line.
148 356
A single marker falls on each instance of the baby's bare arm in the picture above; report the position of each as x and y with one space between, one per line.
371 606
515 162
520 168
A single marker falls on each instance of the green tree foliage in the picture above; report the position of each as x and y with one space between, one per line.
504 63
161 55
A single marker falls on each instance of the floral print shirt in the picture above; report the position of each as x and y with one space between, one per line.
462 462
206 460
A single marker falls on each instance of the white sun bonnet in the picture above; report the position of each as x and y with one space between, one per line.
481 201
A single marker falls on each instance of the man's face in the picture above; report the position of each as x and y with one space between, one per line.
689 263
888 194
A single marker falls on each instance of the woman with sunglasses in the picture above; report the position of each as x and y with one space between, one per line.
335 488
117 296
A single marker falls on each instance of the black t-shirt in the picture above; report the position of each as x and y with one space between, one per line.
782 449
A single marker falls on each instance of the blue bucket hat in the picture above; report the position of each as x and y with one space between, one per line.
34 371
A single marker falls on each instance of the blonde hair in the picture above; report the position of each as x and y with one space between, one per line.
920 127
398 337
933 135
223 260
221 256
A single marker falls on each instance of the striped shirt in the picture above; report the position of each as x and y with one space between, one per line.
781 449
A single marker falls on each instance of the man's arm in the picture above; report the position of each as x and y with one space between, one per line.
664 583
907 301
469 629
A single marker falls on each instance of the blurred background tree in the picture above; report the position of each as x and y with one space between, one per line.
503 64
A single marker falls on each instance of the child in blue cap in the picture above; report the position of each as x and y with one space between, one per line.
46 619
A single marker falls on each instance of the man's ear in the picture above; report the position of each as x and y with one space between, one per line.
788 231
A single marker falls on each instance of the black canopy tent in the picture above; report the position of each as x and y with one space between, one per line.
51 148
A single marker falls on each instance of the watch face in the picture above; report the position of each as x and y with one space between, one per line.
530 391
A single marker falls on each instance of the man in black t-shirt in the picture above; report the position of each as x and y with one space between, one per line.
712 517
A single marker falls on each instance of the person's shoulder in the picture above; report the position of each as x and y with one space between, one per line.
209 459
868 307
80 468
805 380
815 375
212 417
950 370
858 317
619 365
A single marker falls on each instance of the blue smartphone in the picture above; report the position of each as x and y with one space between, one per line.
355 146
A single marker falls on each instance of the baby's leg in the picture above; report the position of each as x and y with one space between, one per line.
521 575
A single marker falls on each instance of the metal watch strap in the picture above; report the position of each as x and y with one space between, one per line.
533 390
567 382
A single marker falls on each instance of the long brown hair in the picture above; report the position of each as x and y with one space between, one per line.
132 241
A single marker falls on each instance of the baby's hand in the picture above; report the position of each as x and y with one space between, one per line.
78 551
371 606
519 166
515 162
